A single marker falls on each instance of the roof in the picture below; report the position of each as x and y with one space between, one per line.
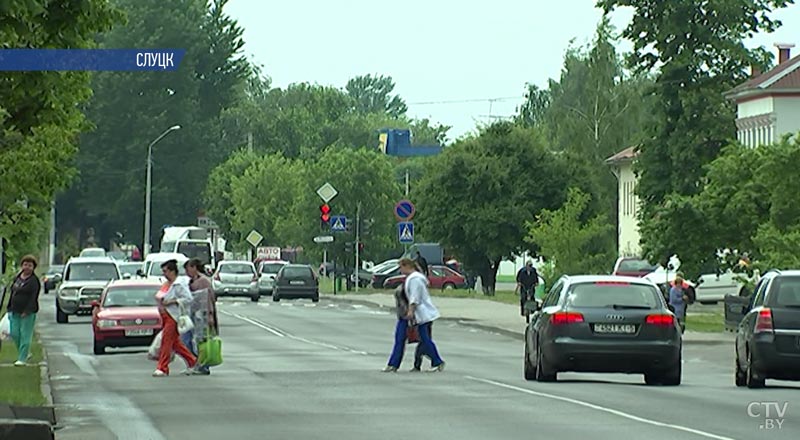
91 260
165 256
575 279
136 282
625 155
783 78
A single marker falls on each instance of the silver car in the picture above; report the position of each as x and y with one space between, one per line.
236 278
267 271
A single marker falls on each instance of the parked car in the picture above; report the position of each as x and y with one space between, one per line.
84 281
236 278
440 277
93 252
126 315
379 277
735 308
267 271
712 287
130 269
633 267
152 264
603 324
384 265
53 277
296 281
768 338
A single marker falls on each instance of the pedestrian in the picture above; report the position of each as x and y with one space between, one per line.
23 307
421 310
203 310
422 264
527 279
678 300
172 297
401 333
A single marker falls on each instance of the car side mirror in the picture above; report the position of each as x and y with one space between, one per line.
745 310
57 277
140 273
126 276
700 281
95 304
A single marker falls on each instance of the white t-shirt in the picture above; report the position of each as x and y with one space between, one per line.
416 286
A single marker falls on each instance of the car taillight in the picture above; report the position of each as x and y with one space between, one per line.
661 320
764 322
566 318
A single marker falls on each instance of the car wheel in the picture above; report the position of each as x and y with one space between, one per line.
672 377
751 376
61 317
315 299
255 298
529 370
99 348
449 286
739 375
543 371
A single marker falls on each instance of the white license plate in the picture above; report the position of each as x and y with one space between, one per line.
615 328
139 332
297 283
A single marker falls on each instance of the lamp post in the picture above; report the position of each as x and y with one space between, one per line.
148 188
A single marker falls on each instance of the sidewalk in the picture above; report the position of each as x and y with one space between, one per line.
496 316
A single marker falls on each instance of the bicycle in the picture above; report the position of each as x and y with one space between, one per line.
524 300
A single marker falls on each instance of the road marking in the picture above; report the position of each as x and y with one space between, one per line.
255 323
84 362
600 408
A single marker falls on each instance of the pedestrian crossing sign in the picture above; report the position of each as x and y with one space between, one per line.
338 223
405 232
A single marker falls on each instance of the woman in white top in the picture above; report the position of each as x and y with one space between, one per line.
172 296
421 310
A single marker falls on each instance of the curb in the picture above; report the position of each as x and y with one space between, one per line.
494 329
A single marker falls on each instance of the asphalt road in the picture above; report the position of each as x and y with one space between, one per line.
297 370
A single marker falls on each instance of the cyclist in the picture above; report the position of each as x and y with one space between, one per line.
527 280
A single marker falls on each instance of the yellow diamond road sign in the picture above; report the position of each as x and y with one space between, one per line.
254 238
327 192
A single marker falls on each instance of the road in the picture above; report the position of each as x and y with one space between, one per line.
297 370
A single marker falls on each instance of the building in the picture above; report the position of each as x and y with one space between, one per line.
768 105
628 203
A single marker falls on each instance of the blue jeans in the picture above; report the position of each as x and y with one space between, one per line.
188 340
426 344
400 345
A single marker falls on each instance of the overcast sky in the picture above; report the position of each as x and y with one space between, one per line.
439 52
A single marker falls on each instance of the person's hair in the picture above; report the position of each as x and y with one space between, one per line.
408 262
170 265
195 263
679 280
29 259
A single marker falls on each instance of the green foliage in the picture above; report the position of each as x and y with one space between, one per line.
372 94
574 245
40 117
476 196
700 53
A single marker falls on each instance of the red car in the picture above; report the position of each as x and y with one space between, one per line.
440 277
126 315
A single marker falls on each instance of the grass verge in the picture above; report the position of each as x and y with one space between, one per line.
21 385
705 322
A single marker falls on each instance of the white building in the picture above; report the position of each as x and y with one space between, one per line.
769 104
628 207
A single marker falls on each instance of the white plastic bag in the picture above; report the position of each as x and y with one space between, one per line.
155 349
5 328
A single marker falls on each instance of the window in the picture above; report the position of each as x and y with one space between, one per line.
297 272
201 251
786 292
554 295
92 272
237 269
602 294
438 272
758 297
131 297
130 268
271 268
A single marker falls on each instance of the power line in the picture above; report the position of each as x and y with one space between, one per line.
465 101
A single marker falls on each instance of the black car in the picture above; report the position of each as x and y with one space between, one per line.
53 276
768 338
296 281
603 324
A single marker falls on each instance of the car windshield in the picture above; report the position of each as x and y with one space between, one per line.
93 253
388 270
237 269
130 269
636 265
613 294
155 267
199 250
131 297
92 272
297 272
55 270
787 292
271 267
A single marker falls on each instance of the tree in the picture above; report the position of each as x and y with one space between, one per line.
476 196
131 109
700 53
40 114
576 246
373 94
218 194
533 111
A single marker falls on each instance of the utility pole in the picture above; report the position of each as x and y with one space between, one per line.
52 248
358 237
250 142
407 183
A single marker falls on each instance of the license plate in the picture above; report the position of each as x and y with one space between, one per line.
297 283
615 328
139 332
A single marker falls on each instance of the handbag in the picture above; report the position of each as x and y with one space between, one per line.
185 323
412 334
210 351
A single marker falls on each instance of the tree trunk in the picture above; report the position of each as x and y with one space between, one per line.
489 277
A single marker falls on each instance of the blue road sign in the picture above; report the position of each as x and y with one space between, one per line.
404 210
405 232
338 223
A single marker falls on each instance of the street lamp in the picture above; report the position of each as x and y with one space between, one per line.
148 188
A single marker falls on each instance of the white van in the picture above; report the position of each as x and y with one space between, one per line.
153 262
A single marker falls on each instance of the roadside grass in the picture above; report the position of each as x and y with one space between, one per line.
705 322
20 385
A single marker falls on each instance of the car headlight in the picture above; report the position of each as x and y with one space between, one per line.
68 293
103 323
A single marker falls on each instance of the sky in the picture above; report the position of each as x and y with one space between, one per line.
459 63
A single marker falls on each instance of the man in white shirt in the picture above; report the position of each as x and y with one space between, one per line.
421 310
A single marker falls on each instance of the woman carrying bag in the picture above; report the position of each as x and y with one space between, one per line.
172 297
205 344
23 307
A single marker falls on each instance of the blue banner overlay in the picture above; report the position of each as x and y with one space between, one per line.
120 60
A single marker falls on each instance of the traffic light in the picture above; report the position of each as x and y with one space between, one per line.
325 213
360 247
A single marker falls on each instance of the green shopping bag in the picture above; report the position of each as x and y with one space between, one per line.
210 351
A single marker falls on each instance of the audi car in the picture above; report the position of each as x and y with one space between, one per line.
296 281
603 324
126 315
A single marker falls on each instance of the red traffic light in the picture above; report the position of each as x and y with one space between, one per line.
326 212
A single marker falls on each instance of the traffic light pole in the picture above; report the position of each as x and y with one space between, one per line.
358 248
